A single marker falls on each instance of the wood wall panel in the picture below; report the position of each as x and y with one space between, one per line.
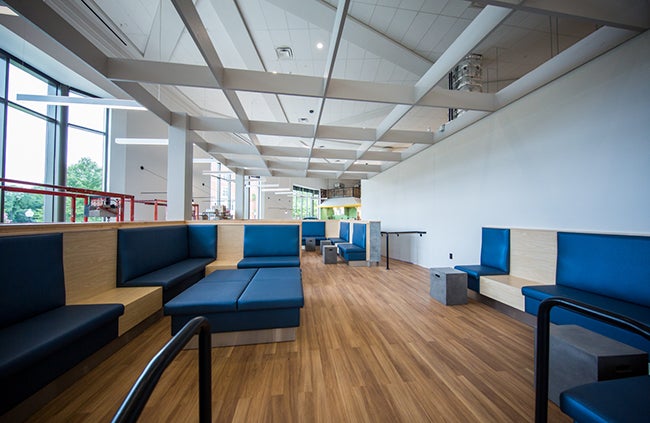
89 262
533 254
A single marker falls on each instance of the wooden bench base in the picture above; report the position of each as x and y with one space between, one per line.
139 303
505 289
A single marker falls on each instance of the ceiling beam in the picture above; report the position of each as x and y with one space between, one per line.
627 14
296 85
300 130
335 41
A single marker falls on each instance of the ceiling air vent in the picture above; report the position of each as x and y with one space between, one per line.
284 53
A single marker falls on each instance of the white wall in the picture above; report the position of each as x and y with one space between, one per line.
573 155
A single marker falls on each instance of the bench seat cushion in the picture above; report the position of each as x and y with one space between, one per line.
617 400
474 273
351 252
36 338
172 274
338 240
207 297
536 294
274 261
273 288
230 275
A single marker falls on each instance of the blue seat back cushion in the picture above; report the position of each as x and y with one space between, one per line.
359 235
313 229
32 276
271 240
495 248
616 266
344 230
143 250
202 241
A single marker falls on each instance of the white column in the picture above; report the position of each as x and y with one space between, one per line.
179 169
240 197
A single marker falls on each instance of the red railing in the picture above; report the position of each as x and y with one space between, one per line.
73 193
156 203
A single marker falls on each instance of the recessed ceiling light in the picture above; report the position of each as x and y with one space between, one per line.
320 45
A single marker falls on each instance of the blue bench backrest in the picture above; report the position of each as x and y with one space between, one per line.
32 276
495 248
202 241
313 228
271 240
344 230
359 235
616 266
143 250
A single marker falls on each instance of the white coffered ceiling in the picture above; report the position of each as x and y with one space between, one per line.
373 95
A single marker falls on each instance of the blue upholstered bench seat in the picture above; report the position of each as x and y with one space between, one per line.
270 246
273 288
619 400
344 234
173 257
271 261
242 299
356 250
475 271
41 337
495 257
535 294
352 252
27 342
313 229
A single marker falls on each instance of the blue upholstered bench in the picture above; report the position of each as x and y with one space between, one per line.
173 257
344 234
242 300
313 229
271 246
40 336
495 257
611 272
356 250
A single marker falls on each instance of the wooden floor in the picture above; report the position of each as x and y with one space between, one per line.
373 346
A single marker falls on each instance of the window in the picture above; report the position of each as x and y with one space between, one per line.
31 147
305 202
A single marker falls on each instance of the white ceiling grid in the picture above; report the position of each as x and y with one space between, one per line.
386 95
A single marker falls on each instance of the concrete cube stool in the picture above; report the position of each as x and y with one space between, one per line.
330 255
578 356
324 243
310 244
449 286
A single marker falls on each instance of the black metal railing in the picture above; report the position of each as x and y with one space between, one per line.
543 335
135 401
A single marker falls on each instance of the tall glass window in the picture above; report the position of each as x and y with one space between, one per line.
32 144
305 202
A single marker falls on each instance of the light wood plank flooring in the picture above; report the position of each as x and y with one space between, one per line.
373 346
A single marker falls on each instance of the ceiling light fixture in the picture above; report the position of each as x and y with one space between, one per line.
320 45
141 141
61 100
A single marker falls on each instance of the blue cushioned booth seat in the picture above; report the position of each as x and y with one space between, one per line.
356 250
173 257
313 229
344 233
608 271
619 400
40 336
271 246
242 299
495 257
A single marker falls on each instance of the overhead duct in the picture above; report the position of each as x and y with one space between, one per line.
467 75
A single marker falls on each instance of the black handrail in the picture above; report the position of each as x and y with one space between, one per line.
543 334
135 401
388 233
